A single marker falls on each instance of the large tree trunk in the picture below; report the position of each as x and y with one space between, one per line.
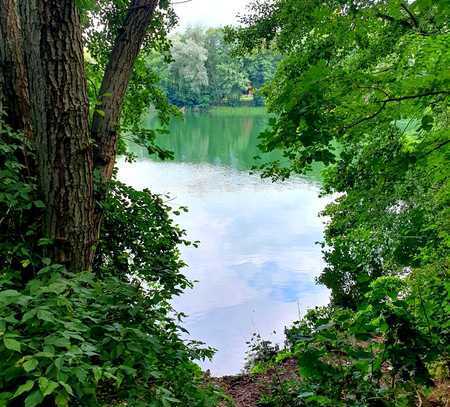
55 66
43 90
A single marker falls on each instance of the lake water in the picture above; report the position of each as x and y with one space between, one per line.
258 258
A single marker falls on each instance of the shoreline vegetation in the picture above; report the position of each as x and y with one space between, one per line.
89 266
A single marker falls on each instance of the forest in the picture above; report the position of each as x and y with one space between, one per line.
203 71
90 266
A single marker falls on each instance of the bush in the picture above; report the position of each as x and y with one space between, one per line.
93 341
384 354
104 338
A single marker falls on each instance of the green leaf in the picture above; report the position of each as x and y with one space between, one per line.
43 383
47 261
28 315
67 387
34 399
39 204
59 342
306 394
11 344
25 263
24 388
45 316
47 386
45 242
97 373
4 398
9 296
62 399
30 365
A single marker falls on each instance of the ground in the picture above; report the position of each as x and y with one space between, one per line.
246 389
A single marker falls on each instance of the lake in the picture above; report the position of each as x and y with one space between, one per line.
258 258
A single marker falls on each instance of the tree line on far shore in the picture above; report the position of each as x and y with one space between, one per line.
203 71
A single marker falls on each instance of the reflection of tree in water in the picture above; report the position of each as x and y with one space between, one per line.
229 139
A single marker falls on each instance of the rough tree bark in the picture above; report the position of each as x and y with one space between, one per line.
59 105
44 91
115 83
14 99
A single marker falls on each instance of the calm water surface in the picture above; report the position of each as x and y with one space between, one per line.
257 260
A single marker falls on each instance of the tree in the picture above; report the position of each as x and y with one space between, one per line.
227 76
362 88
203 70
88 266
188 75
44 93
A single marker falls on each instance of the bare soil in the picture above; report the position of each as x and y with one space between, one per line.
246 389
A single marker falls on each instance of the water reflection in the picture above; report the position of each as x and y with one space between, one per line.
219 138
257 260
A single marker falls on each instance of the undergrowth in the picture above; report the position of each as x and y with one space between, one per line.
104 338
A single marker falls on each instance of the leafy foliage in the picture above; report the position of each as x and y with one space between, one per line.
92 342
260 352
205 72
102 21
363 88
100 338
382 355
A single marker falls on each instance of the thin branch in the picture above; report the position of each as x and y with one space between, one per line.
414 26
440 145
411 15
384 104
364 119
375 88
400 98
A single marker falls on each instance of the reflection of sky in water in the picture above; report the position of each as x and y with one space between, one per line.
257 260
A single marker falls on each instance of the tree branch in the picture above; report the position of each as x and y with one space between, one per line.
420 95
389 100
411 15
115 82
403 23
364 119
439 146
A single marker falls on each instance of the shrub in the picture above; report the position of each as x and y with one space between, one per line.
105 338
